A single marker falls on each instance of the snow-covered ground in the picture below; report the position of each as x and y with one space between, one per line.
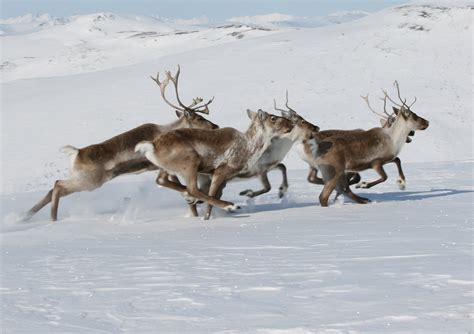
402 264
127 258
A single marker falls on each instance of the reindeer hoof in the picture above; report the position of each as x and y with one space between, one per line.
231 208
191 200
401 184
248 193
282 191
363 200
362 185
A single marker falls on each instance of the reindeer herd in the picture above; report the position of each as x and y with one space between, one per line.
195 151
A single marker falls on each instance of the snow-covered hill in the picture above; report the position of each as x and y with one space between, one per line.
278 21
44 46
126 257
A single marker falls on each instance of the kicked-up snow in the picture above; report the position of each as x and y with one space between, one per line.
128 258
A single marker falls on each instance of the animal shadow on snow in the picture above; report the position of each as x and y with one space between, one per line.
401 196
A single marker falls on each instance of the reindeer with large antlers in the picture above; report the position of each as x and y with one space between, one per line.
356 151
386 120
276 152
94 165
223 153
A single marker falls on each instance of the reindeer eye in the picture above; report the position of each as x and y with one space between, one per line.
273 119
303 122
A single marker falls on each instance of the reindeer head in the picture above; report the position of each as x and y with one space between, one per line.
196 121
413 121
302 129
274 126
187 113
401 113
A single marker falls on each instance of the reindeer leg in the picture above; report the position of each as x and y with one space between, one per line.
401 181
313 177
171 181
358 199
284 185
63 188
193 190
38 206
326 192
383 177
343 188
217 185
163 179
266 187
353 178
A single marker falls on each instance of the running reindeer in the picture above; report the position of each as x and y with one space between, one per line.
94 165
224 153
356 151
386 120
277 151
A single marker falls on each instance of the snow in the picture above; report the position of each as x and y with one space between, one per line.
401 264
128 258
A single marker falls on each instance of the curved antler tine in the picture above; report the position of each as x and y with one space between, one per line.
205 106
157 79
162 85
390 99
384 99
412 103
196 101
276 108
286 104
399 96
175 79
366 99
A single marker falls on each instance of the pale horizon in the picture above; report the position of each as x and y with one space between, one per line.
187 9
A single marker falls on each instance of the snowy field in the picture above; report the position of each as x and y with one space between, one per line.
401 264
128 258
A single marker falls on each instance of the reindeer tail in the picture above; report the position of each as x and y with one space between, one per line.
71 152
145 147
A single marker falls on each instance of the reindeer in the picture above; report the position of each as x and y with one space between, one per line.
276 152
360 150
354 178
224 153
94 165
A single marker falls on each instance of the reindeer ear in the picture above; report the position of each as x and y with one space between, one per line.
262 115
251 114
395 110
179 113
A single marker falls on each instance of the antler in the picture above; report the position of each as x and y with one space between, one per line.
162 85
385 106
366 99
399 96
193 107
286 104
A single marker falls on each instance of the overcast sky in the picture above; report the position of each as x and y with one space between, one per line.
212 9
